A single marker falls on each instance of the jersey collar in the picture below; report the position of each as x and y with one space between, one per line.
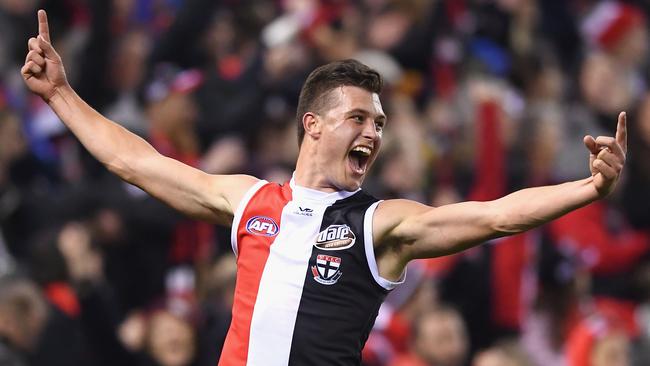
316 195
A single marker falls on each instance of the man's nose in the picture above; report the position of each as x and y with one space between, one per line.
369 130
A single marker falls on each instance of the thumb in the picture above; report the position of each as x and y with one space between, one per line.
47 48
591 145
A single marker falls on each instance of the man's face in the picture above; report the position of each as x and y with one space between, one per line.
351 133
171 340
442 339
612 350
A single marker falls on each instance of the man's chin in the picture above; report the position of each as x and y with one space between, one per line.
352 184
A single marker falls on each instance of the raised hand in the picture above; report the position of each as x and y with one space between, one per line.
607 157
43 70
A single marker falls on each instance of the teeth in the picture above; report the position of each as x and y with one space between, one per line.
363 150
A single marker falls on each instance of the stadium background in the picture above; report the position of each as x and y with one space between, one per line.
483 98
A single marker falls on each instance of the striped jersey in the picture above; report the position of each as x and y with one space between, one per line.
308 288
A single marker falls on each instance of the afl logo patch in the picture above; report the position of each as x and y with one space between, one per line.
335 237
262 225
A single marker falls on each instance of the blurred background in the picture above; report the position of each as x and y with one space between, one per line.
483 96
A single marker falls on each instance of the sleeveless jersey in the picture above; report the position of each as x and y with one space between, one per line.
308 289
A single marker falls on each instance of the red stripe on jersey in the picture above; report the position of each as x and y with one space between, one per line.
253 251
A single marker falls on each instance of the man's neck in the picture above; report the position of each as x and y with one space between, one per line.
312 180
309 172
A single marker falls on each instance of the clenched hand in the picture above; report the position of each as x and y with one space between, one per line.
607 157
43 70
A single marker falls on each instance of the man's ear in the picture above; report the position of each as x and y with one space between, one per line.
312 125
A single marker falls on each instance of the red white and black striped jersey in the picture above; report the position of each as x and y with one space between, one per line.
308 289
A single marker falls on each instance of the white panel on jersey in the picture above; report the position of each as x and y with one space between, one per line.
280 291
370 251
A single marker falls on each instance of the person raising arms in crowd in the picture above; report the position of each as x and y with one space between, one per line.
316 256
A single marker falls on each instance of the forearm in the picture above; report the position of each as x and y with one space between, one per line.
111 144
531 207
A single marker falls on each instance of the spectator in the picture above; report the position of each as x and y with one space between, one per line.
439 338
23 314
504 353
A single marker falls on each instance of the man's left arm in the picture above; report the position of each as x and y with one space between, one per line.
406 230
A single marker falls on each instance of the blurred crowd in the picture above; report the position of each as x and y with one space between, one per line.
483 97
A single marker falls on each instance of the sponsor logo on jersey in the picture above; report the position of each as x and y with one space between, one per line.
335 237
327 270
304 211
262 225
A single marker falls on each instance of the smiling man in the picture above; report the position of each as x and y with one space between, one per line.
316 256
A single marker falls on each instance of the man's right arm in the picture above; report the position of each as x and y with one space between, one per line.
189 190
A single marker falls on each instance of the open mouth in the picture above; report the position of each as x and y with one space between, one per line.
359 158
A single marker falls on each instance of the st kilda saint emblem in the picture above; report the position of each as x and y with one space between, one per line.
327 270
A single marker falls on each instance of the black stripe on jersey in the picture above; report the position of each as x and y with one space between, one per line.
333 321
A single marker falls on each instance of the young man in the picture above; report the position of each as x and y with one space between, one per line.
316 256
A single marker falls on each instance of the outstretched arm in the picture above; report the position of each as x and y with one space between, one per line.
406 230
186 189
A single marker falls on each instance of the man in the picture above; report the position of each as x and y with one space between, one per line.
316 256
439 338
23 314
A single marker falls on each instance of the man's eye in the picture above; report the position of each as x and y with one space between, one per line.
358 118
379 126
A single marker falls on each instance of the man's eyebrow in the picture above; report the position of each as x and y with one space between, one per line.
380 116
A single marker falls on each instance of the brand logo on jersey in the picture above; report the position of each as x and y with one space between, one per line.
262 225
304 211
327 270
335 237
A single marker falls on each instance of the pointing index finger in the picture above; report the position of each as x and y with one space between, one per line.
43 27
621 131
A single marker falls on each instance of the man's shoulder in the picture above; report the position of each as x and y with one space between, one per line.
397 209
391 214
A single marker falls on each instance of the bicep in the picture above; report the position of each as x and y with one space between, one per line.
191 191
421 231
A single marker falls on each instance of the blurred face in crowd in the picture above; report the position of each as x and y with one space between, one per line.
128 66
612 350
174 114
348 136
643 120
12 142
493 358
441 339
505 355
23 314
171 340
20 7
633 48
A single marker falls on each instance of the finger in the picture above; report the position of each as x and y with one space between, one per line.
621 131
36 57
47 48
611 159
591 145
610 143
26 72
33 68
607 171
43 26
33 45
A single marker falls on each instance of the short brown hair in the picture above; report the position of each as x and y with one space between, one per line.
325 78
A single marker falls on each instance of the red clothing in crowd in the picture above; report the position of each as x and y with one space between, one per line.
192 240
511 256
585 233
611 317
